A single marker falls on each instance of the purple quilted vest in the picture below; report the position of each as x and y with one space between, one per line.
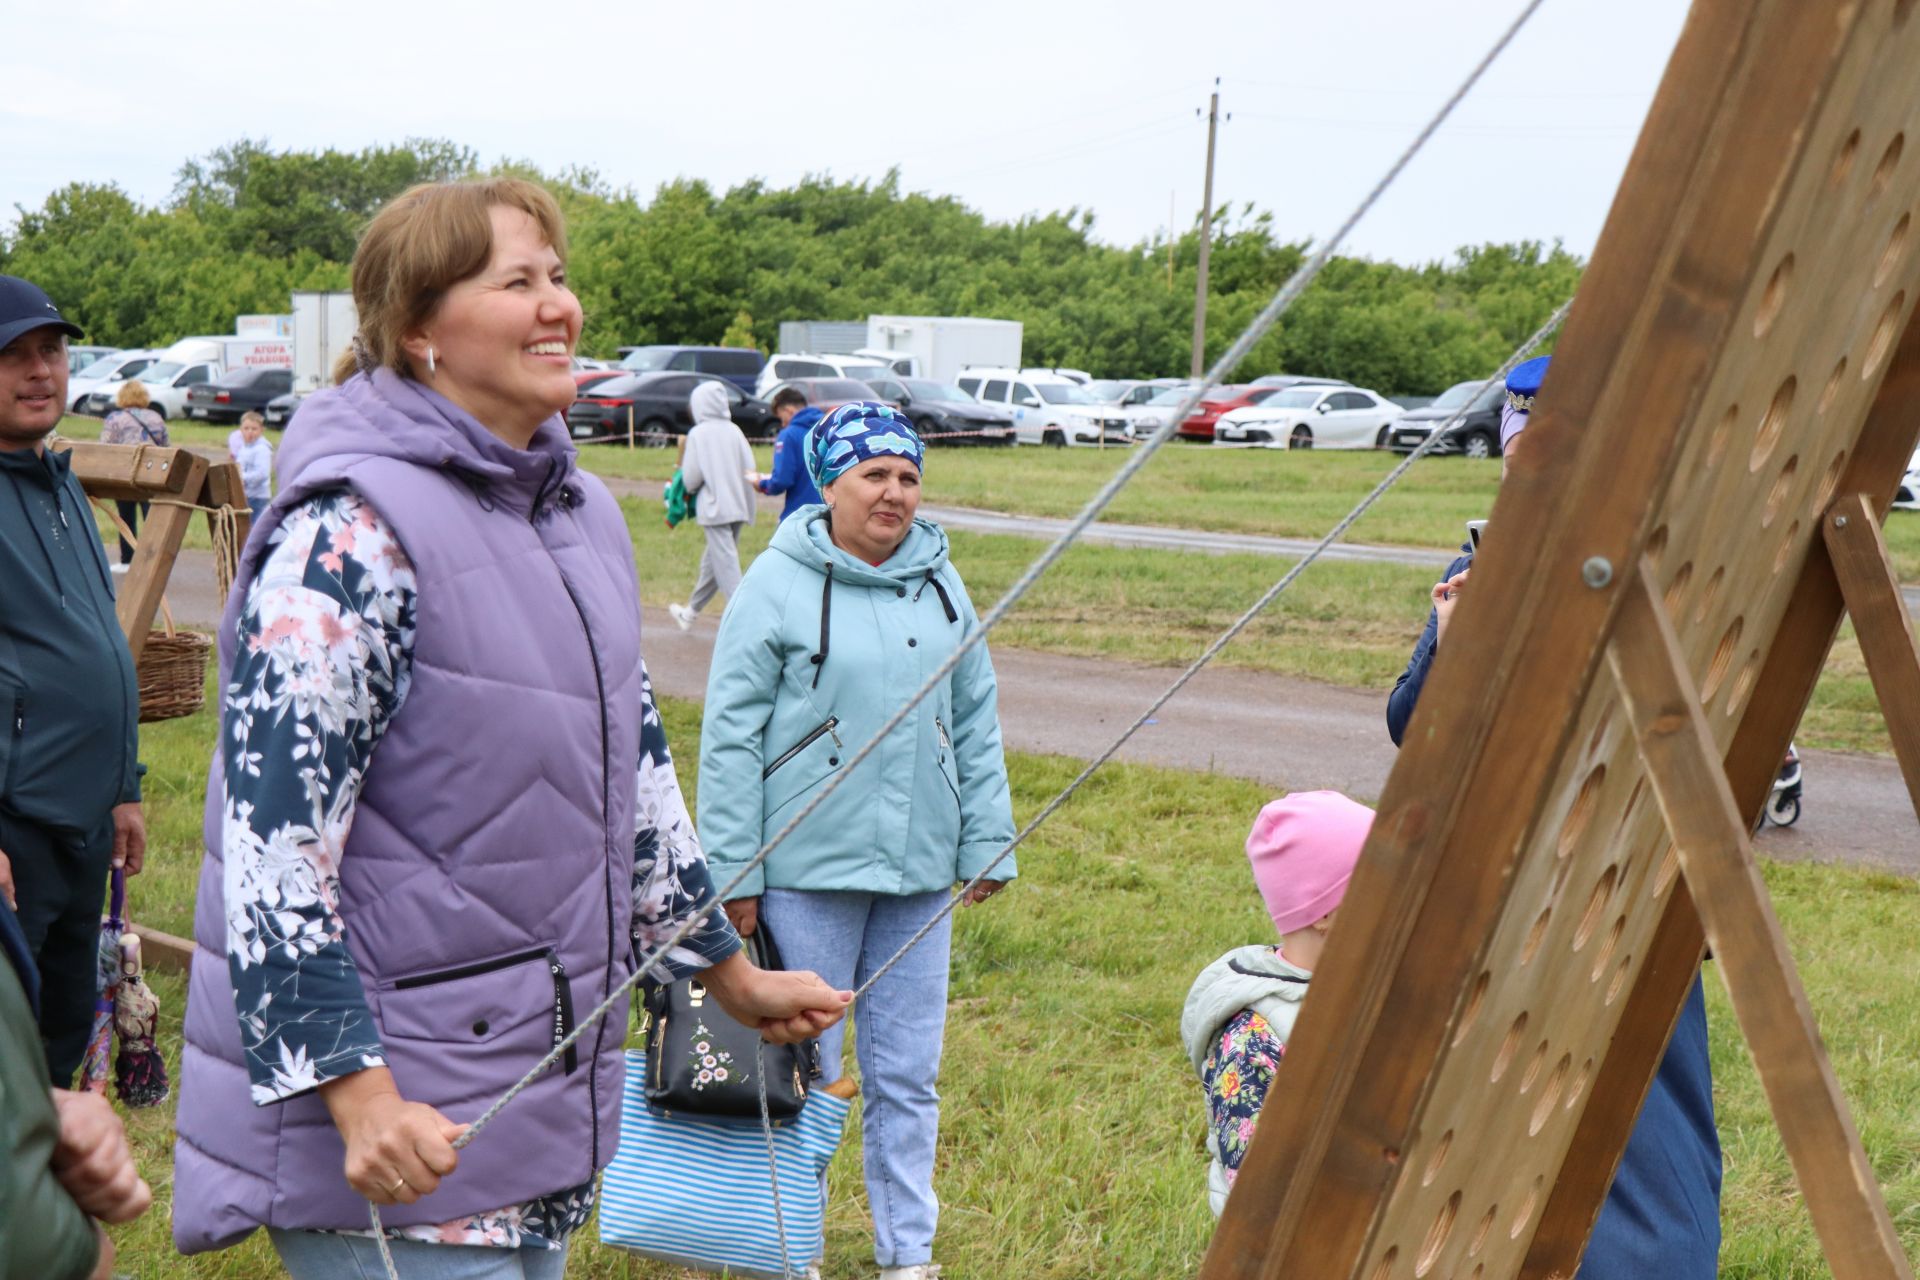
489 868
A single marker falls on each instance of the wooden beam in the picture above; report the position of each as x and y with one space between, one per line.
163 950
146 580
129 472
1710 837
225 489
1880 620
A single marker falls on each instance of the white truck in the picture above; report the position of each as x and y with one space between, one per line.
191 362
942 346
323 327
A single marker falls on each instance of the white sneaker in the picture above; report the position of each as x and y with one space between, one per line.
682 616
918 1271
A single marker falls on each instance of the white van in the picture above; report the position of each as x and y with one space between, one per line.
1047 408
806 364
106 373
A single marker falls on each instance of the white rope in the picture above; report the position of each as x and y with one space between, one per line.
1271 313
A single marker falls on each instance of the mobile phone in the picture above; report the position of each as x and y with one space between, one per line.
1474 528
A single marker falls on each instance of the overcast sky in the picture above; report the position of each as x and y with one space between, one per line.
1013 107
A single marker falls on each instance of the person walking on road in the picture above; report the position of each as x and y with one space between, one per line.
69 760
717 469
853 605
132 421
789 475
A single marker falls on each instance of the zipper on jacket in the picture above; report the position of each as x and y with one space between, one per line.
562 1011
824 729
606 793
473 970
946 743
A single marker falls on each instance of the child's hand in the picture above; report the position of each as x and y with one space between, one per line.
1445 596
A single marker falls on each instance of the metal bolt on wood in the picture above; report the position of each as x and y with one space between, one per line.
1597 572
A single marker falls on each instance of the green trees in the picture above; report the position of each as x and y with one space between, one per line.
245 225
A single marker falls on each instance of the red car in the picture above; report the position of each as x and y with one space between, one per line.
1199 424
585 378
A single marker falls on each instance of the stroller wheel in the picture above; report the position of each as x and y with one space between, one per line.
1784 811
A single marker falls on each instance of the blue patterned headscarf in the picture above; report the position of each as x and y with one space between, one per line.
855 432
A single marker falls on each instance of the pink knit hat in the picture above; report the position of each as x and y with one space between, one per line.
1303 848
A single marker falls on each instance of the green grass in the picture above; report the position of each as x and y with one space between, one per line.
1071 1129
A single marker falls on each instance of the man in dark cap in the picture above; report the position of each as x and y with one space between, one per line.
69 771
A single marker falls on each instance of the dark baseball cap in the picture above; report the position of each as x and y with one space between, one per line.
25 306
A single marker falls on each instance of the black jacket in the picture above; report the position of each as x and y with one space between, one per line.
70 702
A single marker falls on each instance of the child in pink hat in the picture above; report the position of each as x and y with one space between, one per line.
1240 1013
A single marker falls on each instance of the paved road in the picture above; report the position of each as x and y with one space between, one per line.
1286 733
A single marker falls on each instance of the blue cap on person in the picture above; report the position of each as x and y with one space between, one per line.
1523 384
855 432
25 306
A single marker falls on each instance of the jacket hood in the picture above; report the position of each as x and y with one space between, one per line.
382 414
804 538
45 467
708 403
1241 979
804 420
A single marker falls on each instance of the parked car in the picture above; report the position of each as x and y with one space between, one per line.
79 358
584 378
167 383
1199 424
108 372
656 406
1046 408
280 409
825 394
1309 417
1476 434
230 395
1298 380
739 365
943 413
1145 418
1080 377
786 366
1907 497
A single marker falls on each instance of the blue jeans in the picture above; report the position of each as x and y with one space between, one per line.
316 1255
844 937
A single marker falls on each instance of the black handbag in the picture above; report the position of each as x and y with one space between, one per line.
701 1062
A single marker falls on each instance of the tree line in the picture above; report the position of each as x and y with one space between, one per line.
245 225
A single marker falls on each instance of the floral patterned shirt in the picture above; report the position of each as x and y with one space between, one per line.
324 659
1238 1073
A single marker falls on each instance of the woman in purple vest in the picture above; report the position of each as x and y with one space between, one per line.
443 817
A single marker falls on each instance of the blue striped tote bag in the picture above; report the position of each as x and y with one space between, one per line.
698 1192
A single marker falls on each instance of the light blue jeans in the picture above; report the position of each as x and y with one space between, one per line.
317 1255
844 937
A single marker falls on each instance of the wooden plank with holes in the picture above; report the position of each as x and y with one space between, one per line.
146 580
128 472
1710 838
1715 384
1880 620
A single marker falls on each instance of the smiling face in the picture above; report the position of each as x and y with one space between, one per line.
503 339
873 507
33 387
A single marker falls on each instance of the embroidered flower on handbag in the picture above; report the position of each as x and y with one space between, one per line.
711 1060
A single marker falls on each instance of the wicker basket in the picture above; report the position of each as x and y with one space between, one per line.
173 674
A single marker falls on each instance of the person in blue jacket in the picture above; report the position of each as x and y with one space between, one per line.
1662 1213
789 475
851 608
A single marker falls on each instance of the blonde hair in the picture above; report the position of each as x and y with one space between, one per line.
254 418
132 395
426 240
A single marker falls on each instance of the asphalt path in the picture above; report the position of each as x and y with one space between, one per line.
1289 734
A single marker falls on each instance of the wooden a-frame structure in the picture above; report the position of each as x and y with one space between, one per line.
1735 395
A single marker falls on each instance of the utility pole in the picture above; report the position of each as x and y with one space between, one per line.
1206 239
1173 234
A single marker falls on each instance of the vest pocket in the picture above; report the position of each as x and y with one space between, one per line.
480 1002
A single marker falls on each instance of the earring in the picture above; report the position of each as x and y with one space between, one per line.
430 369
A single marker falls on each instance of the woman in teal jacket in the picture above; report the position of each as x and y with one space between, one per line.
843 617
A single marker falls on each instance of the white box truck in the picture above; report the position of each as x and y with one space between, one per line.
230 351
941 346
324 323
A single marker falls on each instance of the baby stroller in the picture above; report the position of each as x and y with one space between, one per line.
1783 805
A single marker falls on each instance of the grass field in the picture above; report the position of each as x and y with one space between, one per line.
1343 623
1071 1127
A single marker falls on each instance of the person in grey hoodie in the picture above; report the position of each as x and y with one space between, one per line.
69 771
718 472
1240 1013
